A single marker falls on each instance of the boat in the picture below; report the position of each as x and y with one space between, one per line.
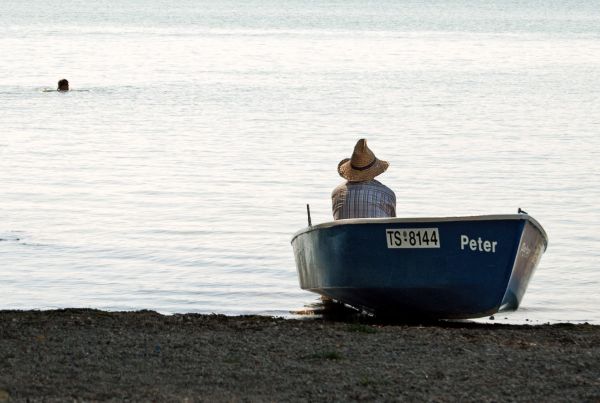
444 267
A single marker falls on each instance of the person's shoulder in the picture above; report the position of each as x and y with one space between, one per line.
381 186
342 187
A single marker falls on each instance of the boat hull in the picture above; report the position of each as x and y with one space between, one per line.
479 265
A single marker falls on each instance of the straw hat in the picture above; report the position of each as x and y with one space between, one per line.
363 166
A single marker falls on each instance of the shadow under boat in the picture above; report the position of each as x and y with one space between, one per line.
447 267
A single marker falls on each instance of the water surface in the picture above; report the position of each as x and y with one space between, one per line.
175 181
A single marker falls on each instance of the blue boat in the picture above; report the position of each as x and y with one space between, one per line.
449 267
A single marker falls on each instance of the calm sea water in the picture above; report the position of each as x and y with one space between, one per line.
175 174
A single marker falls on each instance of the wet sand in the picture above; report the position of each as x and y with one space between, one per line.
87 355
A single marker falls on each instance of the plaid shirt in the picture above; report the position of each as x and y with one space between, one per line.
367 199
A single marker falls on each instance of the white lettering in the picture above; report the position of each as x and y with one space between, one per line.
478 244
464 240
473 244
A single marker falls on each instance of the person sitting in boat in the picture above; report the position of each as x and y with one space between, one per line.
362 196
63 85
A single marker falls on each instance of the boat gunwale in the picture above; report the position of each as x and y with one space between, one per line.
396 220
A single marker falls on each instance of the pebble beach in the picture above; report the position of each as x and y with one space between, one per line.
92 355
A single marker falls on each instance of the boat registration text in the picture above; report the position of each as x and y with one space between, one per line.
412 238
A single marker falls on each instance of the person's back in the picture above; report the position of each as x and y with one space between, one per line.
362 196
368 199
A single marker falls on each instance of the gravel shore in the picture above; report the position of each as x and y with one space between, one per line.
83 355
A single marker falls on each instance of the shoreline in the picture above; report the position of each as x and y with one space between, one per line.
85 354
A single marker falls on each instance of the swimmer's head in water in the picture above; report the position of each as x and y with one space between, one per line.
63 85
